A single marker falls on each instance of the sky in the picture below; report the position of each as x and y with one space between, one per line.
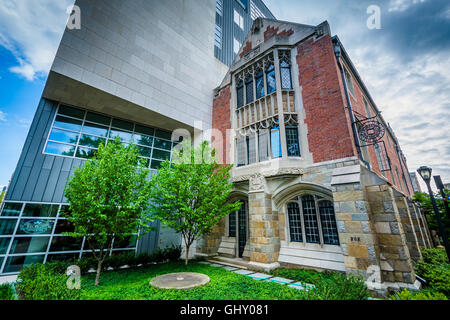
405 65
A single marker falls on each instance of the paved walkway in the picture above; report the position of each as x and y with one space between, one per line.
263 276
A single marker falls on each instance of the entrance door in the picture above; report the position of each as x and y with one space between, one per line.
242 228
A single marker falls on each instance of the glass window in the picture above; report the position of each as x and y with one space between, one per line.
29 245
275 142
4 244
71 111
270 77
162 144
328 222
122 124
142 139
60 149
64 136
11 209
285 71
91 141
15 264
259 81
40 210
240 94
145 152
238 19
156 164
219 7
63 225
123 135
35 226
65 244
251 149
232 224
98 118
249 90
127 242
163 134
236 45
161 155
63 257
310 218
349 80
241 153
295 222
263 145
144 130
95 129
67 123
85 153
218 37
293 148
7 226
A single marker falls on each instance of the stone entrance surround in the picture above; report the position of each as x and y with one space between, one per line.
381 232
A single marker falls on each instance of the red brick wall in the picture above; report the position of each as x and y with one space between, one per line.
329 129
272 32
221 120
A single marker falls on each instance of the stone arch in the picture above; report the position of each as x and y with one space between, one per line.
288 191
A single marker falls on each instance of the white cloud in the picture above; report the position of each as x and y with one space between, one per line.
31 31
402 5
2 116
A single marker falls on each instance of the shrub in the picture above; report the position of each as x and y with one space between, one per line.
40 282
173 253
435 269
420 295
7 292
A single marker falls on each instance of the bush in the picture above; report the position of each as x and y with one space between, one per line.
328 285
7 292
435 269
40 282
420 295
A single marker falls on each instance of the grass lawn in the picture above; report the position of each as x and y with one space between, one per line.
133 284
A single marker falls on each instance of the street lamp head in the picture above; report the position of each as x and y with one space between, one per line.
425 173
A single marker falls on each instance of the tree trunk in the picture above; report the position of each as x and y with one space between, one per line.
187 255
99 270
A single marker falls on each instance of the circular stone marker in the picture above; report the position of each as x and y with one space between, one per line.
182 280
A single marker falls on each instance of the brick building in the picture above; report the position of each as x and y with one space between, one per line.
323 181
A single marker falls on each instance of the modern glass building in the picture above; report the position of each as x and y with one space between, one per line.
135 70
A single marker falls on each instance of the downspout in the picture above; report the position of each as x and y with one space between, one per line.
337 52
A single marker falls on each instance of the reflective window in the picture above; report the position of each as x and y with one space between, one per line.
162 144
40 210
285 73
328 222
310 218
29 245
259 81
95 129
60 149
275 142
64 136
15 264
11 209
67 123
35 226
295 222
270 77
240 94
4 244
293 148
7 226
249 90
65 244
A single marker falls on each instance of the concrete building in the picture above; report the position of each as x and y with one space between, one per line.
135 69
321 176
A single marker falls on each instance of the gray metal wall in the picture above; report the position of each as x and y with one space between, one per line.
231 29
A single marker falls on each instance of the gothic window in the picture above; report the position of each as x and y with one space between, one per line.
275 142
241 152
251 149
328 222
240 93
293 148
232 224
249 89
270 78
259 81
285 72
263 145
295 222
310 218
306 215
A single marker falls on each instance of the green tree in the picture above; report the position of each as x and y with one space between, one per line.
190 194
423 199
108 199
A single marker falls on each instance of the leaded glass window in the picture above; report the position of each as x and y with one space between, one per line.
263 145
328 222
251 149
259 81
249 90
285 71
232 224
293 148
270 78
275 142
295 222
240 94
310 217
241 154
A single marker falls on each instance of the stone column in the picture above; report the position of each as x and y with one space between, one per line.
408 228
396 266
263 226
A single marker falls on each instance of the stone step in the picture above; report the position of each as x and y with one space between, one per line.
229 262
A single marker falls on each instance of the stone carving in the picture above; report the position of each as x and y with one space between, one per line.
257 182
268 174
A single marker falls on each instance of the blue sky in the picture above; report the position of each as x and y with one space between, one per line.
404 64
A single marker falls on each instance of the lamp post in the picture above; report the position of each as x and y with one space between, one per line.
440 186
425 173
